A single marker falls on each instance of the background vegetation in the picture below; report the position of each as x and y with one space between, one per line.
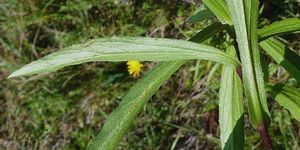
65 109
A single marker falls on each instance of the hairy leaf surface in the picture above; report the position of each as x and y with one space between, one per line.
123 116
139 94
231 111
245 14
123 49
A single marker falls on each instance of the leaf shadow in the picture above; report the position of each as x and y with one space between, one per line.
291 57
236 138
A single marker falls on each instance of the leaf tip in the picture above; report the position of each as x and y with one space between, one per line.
189 20
14 74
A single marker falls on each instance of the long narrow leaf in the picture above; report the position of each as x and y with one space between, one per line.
109 136
202 13
219 8
123 116
208 32
280 27
286 96
283 56
231 111
244 19
123 49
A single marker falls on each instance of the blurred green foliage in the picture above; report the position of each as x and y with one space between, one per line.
65 109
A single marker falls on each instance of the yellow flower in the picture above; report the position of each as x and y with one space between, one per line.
134 68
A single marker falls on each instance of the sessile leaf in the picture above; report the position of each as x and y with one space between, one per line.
124 49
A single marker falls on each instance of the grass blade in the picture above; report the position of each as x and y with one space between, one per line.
280 27
287 97
231 111
219 8
283 56
123 49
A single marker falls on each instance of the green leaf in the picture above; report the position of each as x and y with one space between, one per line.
139 94
265 67
202 13
123 116
219 8
286 96
231 111
283 56
251 11
245 15
208 32
280 27
123 49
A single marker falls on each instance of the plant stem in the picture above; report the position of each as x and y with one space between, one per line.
240 72
263 131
